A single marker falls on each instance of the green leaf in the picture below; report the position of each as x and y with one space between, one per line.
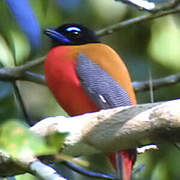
6 57
164 43
21 47
17 140
56 140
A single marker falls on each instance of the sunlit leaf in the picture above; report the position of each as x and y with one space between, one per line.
56 140
164 44
18 140
21 47
119 10
6 57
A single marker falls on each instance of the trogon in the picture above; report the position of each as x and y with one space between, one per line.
86 75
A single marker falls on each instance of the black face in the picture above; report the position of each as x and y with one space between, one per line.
72 34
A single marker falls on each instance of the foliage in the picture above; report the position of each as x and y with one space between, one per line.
18 141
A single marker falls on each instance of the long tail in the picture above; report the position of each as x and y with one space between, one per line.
123 162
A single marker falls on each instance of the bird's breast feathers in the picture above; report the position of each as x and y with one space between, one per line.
61 68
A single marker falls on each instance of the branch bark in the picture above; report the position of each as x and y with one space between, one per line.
44 171
115 27
20 73
116 129
109 130
156 83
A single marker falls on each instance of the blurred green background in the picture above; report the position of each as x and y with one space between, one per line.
152 46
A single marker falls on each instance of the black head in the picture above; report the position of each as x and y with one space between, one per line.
72 34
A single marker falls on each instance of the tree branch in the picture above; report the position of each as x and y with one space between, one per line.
16 73
88 173
44 171
116 129
109 130
21 73
137 20
20 103
10 167
156 83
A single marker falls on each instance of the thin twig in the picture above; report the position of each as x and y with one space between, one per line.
18 73
44 171
30 64
21 103
7 75
156 83
33 77
88 173
21 73
136 20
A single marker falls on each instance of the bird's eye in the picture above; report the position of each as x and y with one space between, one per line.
74 32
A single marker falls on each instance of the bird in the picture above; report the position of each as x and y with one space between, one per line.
86 75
